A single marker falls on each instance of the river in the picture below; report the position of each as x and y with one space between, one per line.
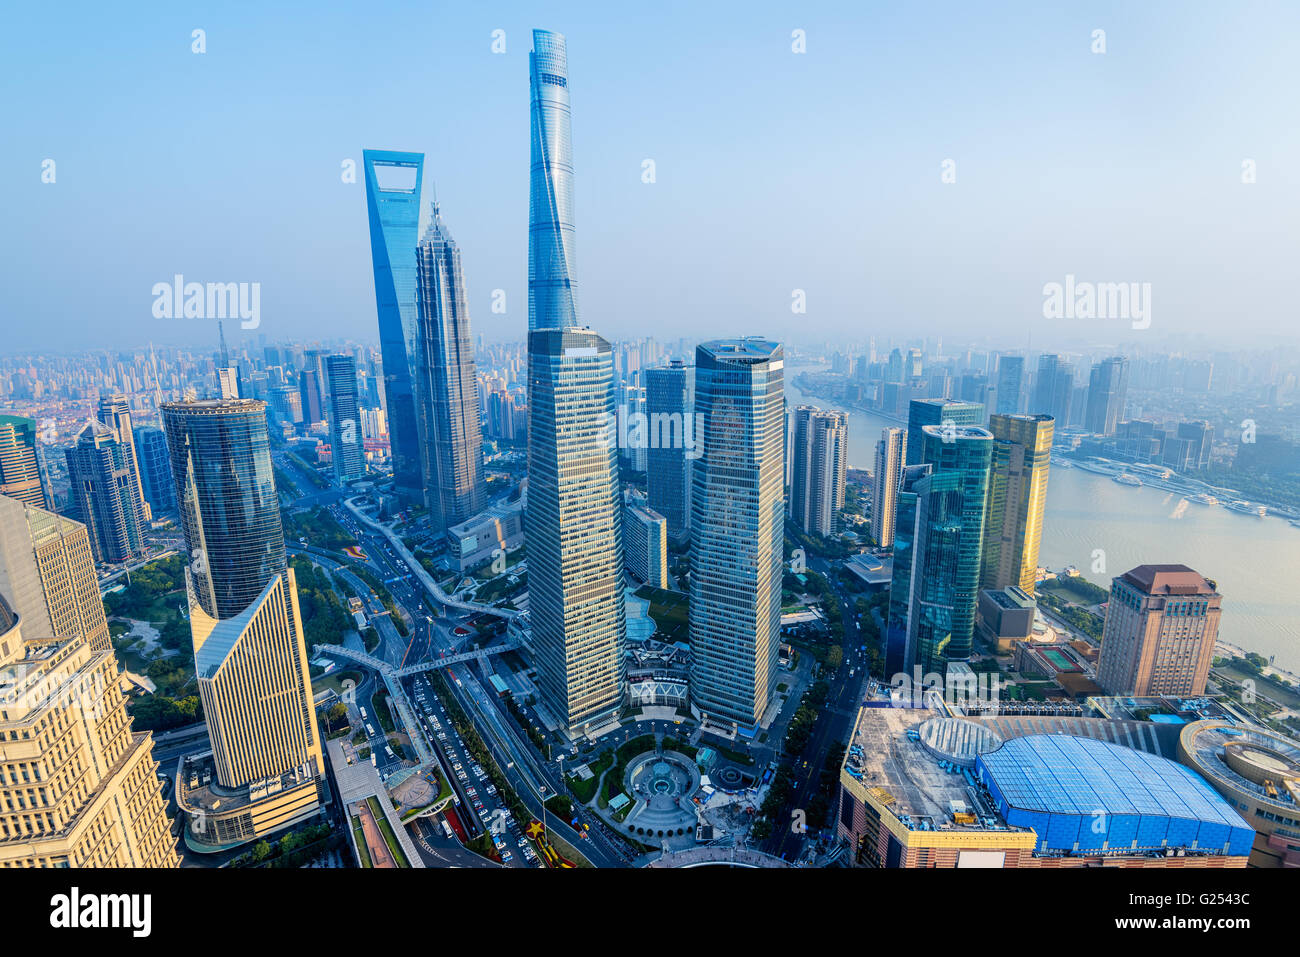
1254 561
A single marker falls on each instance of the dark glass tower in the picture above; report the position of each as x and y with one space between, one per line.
923 412
393 205
1107 391
552 299
453 448
105 492
155 470
221 466
346 451
948 541
668 474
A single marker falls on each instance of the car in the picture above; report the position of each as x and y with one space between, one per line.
505 856
498 843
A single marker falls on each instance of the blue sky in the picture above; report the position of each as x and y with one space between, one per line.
775 171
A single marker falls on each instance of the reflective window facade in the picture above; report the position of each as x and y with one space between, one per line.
346 451
552 284
574 526
737 527
453 446
221 464
393 207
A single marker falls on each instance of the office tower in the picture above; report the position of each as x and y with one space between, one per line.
923 412
228 383
635 434
737 528
309 395
285 405
1200 436
1011 375
220 456
912 367
20 471
1013 521
263 772
1107 389
47 573
105 493
393 205
115 412
668 473
1054 389
155 470
645 544
80 790
77 787
346 451
894 366
552 277
819 446
574 527
938 538
453 438
1161 625
890 453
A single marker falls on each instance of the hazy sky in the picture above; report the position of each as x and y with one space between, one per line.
775 171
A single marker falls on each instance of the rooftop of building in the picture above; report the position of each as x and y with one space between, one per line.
1256 761
953 432
887 756
1066 774
1013 596
748 348
1169 580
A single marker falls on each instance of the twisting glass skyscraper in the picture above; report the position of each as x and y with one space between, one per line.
453 446
574 526
737 527
393 206
552 298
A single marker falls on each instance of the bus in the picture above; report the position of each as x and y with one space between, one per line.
363 715
446 829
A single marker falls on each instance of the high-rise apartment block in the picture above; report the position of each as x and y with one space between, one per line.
819 447
891 451
1107 391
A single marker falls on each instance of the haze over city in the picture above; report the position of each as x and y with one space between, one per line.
774 171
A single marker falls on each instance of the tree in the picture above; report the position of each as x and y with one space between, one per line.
261 851
835 657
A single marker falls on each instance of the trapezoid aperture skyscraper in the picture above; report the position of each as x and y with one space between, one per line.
552 288
393 208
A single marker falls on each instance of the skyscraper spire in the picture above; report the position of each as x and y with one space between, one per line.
221 336
552 300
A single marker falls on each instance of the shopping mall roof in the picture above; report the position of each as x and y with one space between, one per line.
1078 793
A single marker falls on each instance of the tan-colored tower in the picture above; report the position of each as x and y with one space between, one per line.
1013 515
77 788
1161 623
47 571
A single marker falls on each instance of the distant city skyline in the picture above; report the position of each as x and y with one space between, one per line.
1093 166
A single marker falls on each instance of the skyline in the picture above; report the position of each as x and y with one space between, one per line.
852 211
483 579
